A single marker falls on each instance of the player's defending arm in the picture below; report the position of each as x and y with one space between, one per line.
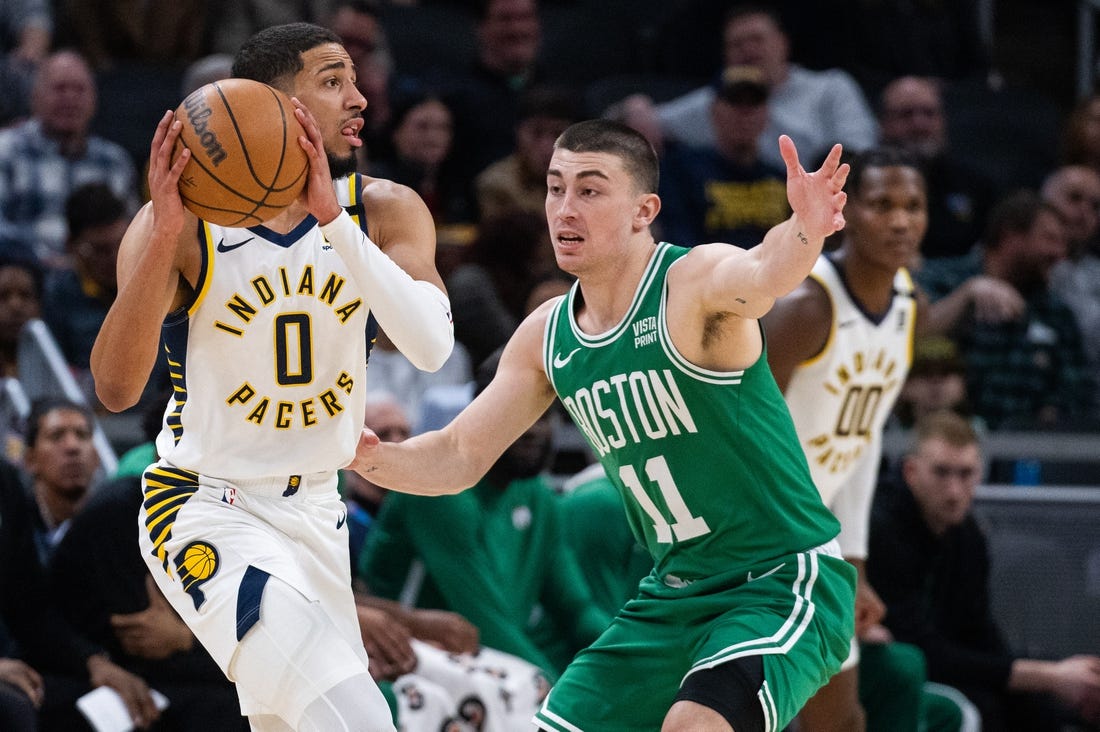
150 263
747 283
454 458
402 286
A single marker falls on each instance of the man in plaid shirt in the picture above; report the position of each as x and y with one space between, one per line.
46 157
1022 345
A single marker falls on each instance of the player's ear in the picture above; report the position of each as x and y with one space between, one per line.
649 205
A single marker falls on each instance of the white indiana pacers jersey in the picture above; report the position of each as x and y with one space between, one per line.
268 362
840 399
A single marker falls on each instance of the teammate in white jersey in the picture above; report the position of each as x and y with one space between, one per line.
266 334
840 346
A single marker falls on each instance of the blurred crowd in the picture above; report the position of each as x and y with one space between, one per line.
465 100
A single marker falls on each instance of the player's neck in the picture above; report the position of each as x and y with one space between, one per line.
286 221
609 291
870 284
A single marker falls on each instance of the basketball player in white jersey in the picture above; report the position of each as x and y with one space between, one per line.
265 332
839 347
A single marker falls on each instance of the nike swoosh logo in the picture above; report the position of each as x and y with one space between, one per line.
341 521
223 247
560 362
846 323
773 570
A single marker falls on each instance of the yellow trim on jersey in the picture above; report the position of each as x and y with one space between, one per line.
207 242
165 492
911 291
832 324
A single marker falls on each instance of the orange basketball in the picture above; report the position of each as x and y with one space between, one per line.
246 164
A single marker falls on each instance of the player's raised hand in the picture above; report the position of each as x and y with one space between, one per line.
817 198
164 175
318 195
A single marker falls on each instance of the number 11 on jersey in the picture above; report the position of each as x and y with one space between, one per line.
686 526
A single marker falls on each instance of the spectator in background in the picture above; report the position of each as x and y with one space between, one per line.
105 592
936 382
20 302
54 665
911 116
726 193
817 109
359 27
493 553
231 22
486 97
21 285
1075 191
1081 135
930 562
1025 361
390 371
26 31
387 418
489 289
45 158
62 461
518 181
113 33
77 297
422 136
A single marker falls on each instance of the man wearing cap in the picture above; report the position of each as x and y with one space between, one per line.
815 108
726 193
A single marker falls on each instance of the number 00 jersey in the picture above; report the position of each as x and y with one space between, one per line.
268 362
840 399
707 462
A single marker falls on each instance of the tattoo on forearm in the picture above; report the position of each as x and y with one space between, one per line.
740 300
802 238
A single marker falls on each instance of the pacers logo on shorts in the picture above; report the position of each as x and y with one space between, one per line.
195 564
292 486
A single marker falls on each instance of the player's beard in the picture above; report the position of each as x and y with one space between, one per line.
341 166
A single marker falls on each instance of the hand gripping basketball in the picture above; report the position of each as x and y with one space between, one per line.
246 164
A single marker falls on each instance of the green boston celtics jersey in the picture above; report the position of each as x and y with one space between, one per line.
708 463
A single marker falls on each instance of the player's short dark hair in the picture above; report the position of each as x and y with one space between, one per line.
877 157
276 52
45 405
92 204
615 138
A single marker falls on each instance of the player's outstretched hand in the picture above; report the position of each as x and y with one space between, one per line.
318 194
817 198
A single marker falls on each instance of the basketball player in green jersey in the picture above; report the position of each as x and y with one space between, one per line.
658 355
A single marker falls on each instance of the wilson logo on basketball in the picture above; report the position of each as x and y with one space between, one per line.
198 112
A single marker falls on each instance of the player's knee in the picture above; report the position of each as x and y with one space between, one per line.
350 706
292 661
